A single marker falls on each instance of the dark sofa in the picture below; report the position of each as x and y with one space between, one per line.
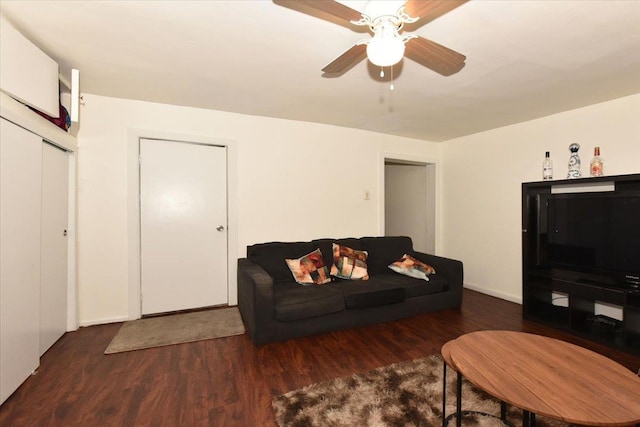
274 307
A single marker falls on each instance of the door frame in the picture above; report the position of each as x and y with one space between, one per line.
133 209
433 186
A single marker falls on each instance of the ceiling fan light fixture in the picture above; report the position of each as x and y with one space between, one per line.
387 47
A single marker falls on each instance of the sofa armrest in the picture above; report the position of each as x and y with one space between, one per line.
255 296
450 268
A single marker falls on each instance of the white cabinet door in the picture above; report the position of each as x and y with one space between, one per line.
183 210
53 260
20 207
26 72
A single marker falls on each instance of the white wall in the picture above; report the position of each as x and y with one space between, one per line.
482 176
296 181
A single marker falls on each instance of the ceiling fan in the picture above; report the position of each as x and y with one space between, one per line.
386 20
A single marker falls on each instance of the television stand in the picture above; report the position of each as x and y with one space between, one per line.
572 300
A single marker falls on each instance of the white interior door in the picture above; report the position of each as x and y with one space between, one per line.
183 225
53 259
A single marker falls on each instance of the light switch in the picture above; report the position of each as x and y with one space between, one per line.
367 195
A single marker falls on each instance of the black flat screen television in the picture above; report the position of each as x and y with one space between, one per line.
596 233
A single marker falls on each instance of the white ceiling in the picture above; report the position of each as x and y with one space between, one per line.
525 59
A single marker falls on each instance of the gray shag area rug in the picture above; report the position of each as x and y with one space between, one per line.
177 329
404 394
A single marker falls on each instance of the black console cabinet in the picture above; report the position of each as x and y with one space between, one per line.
567 299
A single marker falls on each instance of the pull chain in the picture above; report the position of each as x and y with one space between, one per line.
391 85
391 88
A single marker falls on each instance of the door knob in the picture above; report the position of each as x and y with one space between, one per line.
220 228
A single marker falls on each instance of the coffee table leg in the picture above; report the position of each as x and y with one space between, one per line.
459 400
445 421
503 406
444 396
528 419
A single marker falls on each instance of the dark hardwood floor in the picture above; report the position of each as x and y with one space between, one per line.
228 381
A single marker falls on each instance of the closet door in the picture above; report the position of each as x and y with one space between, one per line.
53 260
20 207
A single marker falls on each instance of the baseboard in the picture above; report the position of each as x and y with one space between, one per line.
507 297
104 321
126 318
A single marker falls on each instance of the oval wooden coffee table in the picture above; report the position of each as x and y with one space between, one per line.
548 377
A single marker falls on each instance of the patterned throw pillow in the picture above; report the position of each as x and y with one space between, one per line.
409 266
349 263
309 269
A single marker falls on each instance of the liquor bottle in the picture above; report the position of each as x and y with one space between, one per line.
547 167
574 162
597 164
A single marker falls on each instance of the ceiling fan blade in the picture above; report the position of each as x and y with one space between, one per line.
428 10
432 55
344 62
327 7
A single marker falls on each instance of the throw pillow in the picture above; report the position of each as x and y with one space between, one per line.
409 266
349 263
309 269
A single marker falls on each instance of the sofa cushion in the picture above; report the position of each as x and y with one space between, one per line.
309 269
294 302
271 257
416 287
368 299
389 280
349 263
385 250
409 266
